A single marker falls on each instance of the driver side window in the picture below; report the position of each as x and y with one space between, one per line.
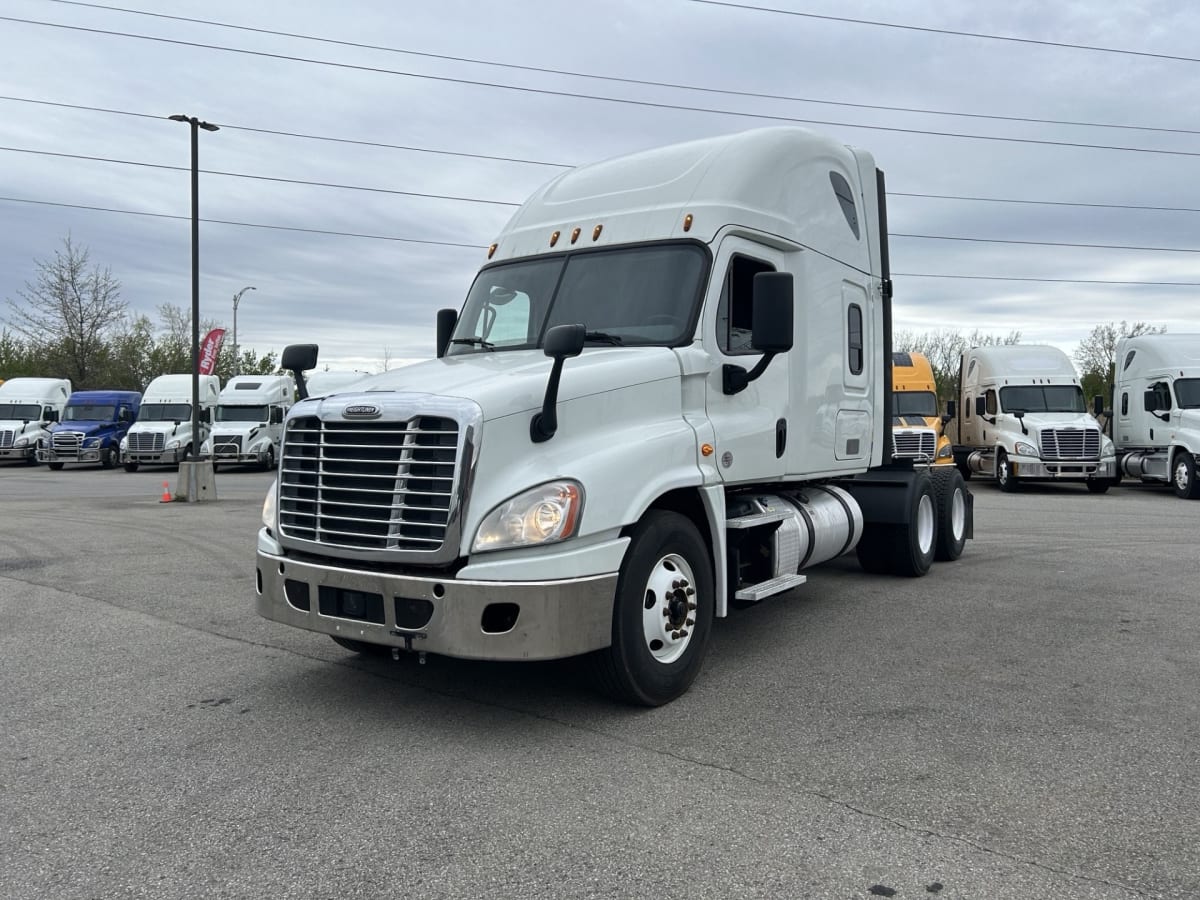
504 319
735 309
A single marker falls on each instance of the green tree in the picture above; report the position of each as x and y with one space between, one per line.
17 359
68 315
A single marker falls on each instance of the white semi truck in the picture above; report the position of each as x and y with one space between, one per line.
162 434
1022 417
1156 410
28 407
666 394
248 423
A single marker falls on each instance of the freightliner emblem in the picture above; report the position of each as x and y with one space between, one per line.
361 411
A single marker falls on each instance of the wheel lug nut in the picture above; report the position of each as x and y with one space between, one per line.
691 606
666 614
683 633
690 622
674 635
691 591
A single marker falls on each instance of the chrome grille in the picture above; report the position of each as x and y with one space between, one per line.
368 485
67 441
145 441
914 443
227 444
1070 443
6 439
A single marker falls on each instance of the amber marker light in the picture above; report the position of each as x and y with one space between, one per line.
596 232
574 235
492 250
706 450
554 238
687 222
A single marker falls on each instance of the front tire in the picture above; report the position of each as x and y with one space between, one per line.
131 467
1183 476
269 459
1099 485
110 457
1005 476
362 647
662 613
950 494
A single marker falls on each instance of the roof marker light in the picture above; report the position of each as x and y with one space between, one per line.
574 235
554 238
492 250
596 232
687 222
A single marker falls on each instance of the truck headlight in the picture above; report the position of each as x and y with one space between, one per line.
270 504
1024 449
542 515
92 442
173 445
945 451
124 444
1107 447
23 441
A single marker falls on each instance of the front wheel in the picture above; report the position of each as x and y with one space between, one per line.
662 613
363 647
1183 476
131 467
269 459
1099 485
110 457
1005 476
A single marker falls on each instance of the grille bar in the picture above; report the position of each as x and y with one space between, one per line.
914 443
1070 443
369 486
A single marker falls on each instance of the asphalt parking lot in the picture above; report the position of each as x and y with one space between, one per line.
1022 723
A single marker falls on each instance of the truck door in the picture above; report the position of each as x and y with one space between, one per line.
750 426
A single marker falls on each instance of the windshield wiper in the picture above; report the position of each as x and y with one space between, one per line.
474 342
603 337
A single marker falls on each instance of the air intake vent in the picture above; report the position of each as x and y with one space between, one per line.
914 444
1070 443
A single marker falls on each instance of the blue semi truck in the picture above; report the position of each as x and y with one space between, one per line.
91 429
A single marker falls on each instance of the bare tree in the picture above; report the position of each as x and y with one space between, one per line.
1096 354
387 358
69 313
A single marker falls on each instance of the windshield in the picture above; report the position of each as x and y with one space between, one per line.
1061 398
241 414
23 411
914 403
633 295
165 412
89 412
1187 393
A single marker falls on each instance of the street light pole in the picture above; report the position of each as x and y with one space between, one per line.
237 359
195 125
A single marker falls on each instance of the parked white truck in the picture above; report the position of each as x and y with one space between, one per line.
667 393
1156 410
1022 417
162 434
248 422
28 407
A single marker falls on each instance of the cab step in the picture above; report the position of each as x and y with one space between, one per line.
755 592
768 517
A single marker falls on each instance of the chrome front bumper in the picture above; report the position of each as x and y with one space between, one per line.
155 457
92 454
553 619
1081 470
18 453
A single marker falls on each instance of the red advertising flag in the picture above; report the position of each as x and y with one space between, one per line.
209 348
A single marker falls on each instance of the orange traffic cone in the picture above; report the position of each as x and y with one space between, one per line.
166 497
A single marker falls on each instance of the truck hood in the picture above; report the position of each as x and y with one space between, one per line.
1035 422
18 424
237 427
514 381
160 427
81 426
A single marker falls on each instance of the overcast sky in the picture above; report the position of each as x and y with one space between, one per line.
432 81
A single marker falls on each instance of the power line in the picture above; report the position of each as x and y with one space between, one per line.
352 234
548 164
977 240
641 82
647 104
328 184
948 31
379 237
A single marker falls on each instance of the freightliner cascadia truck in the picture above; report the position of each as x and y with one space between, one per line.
1156 410
918 427
1023 418
667 394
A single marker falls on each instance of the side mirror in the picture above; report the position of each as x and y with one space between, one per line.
951 410
206 416
298 359
1149 401
774 305
51 414
980 407
561 341
771 327
1097 406
446 320
276 415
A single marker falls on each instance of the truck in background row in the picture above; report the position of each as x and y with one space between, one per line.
667 394
28 407
248 422
918 426
162 434
1156 410
1022 417
90 431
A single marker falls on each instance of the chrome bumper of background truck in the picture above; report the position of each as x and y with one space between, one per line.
51 456
155 457
467 619
1068 471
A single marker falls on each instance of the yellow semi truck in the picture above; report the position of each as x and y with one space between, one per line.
918 429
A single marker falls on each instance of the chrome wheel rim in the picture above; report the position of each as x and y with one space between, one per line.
669 608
